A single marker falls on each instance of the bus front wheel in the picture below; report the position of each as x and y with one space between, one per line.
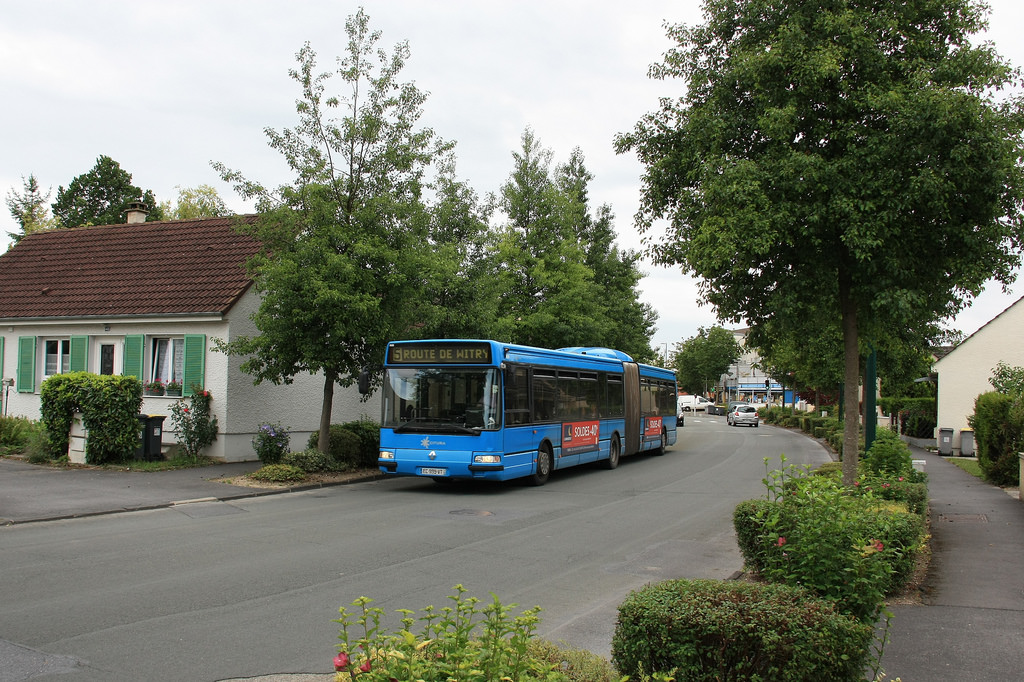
614 454
545 462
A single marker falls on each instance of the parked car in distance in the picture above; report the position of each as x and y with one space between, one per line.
696 403
742 414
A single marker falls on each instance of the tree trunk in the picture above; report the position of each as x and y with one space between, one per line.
324 439
851 379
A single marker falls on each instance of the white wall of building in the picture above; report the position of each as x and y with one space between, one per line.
965 372
239 405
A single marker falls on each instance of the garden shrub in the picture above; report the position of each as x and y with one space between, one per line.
312 461
194 423
712 630
888 455
15 432
344 445
844 545
271 443
278 473
355 444
459 642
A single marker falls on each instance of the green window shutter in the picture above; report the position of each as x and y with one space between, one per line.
26 364
134 345
79 350
194 371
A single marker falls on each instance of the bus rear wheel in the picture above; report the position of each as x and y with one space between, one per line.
545 462
614 454
660 450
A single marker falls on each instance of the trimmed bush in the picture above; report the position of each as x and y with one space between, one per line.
312 461
711 630
998 430
278 473
109 405
354 444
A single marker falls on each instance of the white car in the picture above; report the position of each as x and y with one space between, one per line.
696 403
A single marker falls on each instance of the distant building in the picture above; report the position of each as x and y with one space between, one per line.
745 380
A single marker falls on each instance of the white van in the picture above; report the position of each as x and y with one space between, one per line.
695 403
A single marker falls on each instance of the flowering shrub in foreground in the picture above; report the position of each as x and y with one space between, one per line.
458 642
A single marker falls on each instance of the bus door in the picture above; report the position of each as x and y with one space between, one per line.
631 379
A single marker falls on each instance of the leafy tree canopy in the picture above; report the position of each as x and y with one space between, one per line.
560 278
347 263
701 360
194 203
101 197
849 156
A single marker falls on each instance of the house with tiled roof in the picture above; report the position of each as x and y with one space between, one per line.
149 299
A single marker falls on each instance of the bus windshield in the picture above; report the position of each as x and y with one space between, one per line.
442 399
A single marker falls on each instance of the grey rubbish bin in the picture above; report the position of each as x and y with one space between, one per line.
150 448
946 442
966 443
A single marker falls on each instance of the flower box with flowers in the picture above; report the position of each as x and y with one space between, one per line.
154 387
173 388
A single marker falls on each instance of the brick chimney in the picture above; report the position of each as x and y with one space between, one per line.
136 213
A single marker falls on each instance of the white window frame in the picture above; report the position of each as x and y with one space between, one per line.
160 368
96 350
62 357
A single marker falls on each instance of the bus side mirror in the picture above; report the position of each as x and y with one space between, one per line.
364 381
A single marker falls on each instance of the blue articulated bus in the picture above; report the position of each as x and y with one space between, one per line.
484 410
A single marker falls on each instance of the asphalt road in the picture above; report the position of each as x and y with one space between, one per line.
222 590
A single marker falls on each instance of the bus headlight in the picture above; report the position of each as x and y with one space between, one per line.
486 459
386 454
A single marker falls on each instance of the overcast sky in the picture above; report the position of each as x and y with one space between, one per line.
164 88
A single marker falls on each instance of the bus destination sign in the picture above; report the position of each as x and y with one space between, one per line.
439 354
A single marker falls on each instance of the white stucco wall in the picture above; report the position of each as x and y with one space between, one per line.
964 373
240 407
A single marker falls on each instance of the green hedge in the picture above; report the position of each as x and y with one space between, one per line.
354 444
109 405
712 630
998 425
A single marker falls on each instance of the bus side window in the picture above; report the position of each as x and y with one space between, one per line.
517 397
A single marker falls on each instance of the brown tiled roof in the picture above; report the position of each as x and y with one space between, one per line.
158 268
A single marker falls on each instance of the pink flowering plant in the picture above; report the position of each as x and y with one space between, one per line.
195 426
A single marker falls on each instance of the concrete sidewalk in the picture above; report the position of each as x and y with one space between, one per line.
33 493
971 623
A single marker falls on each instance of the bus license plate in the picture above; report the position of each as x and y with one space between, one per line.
428 471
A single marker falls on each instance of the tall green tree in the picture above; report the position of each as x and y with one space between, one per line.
193 203
560 278
702 359
101 197
29 209
853 154
346 258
